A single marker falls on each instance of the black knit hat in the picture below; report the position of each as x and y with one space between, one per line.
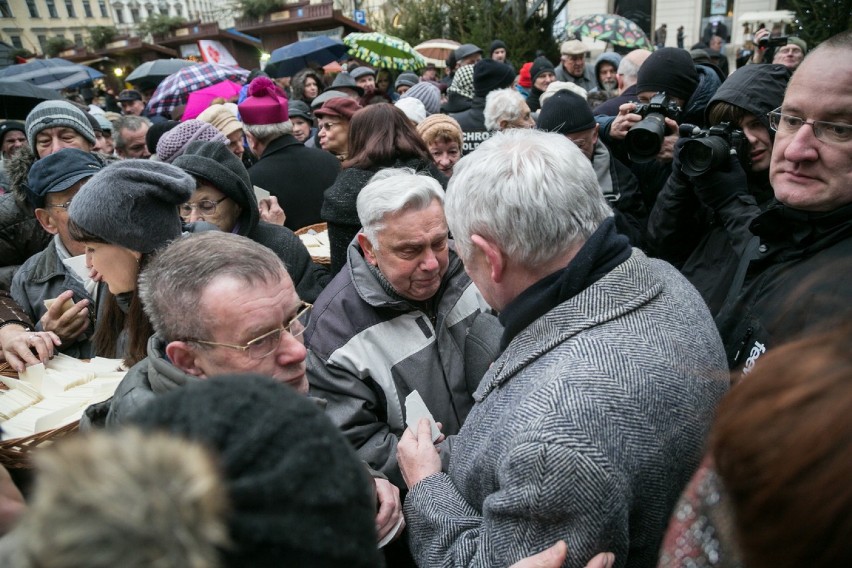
668 70
496 44
156 131
133 204
214 162
541 65
490 75
299 494
565 113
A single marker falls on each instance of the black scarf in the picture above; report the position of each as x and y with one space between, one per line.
604 250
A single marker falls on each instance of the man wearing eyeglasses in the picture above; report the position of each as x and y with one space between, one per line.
401 316
795 273
52 183
220 304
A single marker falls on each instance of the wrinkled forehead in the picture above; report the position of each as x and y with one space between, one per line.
829 73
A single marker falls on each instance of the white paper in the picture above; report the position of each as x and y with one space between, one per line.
260 193
390 536
78 265
415 409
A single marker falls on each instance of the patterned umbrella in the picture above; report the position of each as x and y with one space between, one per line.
610 28
175 89
54 73
384 51
436 51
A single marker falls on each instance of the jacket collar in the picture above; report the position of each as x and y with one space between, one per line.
626 288
280 144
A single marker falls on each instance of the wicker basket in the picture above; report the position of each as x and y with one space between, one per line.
317 228
15 453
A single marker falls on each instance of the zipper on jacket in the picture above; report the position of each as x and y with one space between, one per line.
742 345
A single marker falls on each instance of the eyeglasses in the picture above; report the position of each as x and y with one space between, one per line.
327 125
205 207
580 142
832 132
65 205
262 346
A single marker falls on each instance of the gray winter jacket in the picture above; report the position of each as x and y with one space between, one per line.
588 81
43 276
368 350
585 429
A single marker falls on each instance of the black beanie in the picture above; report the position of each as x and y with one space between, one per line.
490 75
156 131
299 495
668 70
496 44
539 66
565 113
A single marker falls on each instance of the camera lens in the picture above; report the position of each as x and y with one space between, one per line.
703 154
645 139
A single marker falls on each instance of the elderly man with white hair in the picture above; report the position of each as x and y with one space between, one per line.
592 420
506 108
401 316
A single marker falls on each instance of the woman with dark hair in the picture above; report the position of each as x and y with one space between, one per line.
380 136
123 215
306 85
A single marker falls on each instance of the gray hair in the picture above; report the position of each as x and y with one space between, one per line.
172 284
502 104
266 133
130 122
629 69
393 190
534 193
125 499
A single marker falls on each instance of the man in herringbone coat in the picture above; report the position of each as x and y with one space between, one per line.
594 417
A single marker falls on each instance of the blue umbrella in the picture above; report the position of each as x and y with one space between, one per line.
55 73
288 60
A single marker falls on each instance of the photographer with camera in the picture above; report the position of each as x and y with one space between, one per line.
671 90
719 182
783 50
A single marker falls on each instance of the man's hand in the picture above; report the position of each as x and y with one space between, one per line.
270 211
17 345
69 325
667 149
416 454
390 508
554 556
624 121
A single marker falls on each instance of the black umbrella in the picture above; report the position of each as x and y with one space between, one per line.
17 98
152 73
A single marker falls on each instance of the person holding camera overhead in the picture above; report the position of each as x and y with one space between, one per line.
671 90
699 223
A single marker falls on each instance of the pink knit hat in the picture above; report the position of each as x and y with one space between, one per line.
174 142
265 104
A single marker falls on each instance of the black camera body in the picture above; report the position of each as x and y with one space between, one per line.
645 138
772 41
709 149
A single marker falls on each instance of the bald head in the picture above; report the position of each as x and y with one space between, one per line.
628 69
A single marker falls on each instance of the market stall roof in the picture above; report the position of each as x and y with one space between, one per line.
773 16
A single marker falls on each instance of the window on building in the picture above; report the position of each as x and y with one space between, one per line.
102 6
179 9
87 9
31 6
16 42
5 9
134 15
78 40
119 15
164 9
69 6
42 42
51 8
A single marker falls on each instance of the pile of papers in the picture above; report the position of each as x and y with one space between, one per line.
55 394
316 243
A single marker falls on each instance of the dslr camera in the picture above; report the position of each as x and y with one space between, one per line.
772 41
645 139
709 149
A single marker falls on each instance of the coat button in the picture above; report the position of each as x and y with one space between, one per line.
763 248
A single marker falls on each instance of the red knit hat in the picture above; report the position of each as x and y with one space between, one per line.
265 104
524 79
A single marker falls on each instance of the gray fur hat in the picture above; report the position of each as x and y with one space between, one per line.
133 204
51 114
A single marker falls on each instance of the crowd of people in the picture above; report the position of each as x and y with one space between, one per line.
591 313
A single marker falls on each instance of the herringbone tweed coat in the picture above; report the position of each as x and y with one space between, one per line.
585 429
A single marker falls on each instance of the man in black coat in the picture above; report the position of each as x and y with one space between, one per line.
296 175
795 273
488 75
